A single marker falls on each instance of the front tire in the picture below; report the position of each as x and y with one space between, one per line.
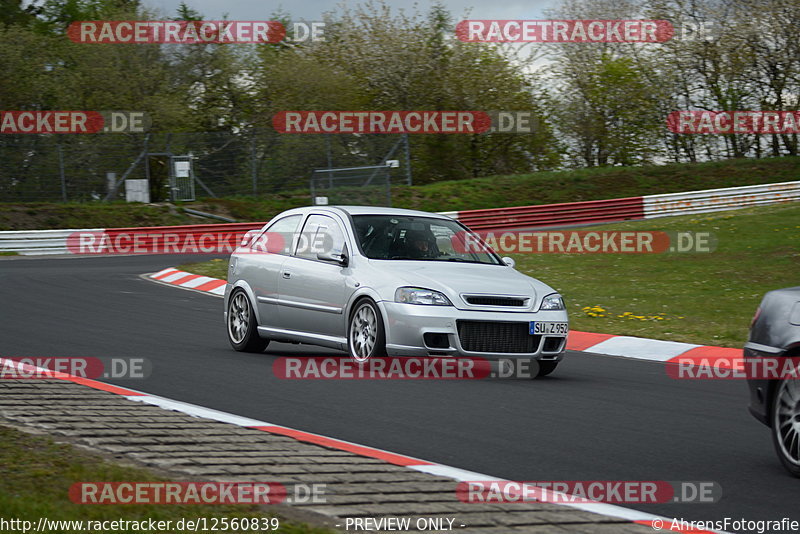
365 334
546 367
786 425
241 324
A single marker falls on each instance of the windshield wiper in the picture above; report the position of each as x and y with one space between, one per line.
462 260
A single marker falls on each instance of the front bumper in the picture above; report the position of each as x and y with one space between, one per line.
761 390
408 324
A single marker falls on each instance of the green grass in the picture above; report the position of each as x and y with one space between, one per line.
36 474
8 253
478 193
704 298
46 215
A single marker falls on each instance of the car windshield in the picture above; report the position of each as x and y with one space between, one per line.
403 237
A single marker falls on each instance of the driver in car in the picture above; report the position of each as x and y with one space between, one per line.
419 246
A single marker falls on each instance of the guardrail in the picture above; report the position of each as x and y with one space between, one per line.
719 199
34 242
152 238
593 211
622 209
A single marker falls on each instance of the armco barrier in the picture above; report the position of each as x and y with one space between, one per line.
719 199
574 213
593 211
38 242
215 236
646 207
31 242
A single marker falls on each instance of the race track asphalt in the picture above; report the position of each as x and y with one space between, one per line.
595 418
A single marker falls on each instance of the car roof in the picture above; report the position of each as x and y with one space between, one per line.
369 210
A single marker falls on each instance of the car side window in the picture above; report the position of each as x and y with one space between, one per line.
279 237
320 233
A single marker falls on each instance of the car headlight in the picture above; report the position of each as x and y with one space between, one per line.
417 295
552 302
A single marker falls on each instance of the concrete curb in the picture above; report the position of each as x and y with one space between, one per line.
364 481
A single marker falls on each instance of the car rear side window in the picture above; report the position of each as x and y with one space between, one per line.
279 237
320 233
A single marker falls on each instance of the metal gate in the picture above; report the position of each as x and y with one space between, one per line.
181 178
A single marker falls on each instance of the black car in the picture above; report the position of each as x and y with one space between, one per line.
775 333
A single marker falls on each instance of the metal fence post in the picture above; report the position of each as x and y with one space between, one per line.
61 172
330 159
253 165
408 159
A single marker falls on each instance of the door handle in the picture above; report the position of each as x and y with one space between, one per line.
286 274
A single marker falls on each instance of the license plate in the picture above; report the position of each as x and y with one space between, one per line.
547 327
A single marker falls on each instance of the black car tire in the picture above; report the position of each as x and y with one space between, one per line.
241 324
787 440
365 334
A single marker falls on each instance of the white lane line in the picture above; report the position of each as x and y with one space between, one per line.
462 475
197 411
642 348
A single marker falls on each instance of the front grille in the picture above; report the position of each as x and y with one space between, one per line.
495 301
489 336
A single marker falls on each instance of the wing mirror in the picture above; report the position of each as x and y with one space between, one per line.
508 261
340 259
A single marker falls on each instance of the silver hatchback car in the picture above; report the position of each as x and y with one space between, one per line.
378 281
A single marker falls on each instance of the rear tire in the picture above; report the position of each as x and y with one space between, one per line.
241 324
365 334
785 427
